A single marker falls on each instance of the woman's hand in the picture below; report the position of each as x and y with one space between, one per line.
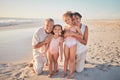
66 34
73 34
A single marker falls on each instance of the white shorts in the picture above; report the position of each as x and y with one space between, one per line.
70 43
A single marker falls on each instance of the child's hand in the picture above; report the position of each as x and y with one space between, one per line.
72 33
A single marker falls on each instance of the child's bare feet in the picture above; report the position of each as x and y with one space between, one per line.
55 72
70 76
50 75
64 74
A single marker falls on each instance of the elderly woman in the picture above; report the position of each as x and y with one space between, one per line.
81 42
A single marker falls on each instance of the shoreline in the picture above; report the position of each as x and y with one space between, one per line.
21 26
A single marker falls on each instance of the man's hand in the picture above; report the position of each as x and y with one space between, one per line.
47 39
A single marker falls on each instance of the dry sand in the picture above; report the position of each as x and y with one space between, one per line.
103 57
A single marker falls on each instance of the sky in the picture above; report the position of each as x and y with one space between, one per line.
89 9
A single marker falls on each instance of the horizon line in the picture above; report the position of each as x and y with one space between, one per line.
61 19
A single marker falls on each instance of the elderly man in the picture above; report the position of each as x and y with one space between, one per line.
39 41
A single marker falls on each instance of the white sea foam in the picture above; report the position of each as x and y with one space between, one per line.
14 21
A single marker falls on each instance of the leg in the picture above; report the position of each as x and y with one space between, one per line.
50 64
47 56
80 64
38 64
66 54
80 61
72 59
55 57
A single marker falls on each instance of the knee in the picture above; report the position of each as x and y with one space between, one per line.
72 60
55 62
50 61
37 69
67 58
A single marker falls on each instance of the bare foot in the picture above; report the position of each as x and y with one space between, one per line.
31 63
64 74
70 76
55 72
50 75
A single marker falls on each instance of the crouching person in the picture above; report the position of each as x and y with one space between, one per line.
40 39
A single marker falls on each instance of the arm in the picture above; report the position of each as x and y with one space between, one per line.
66 33
79 31
39 44
85 37
46 49
47 45
36 42
47 41
61 49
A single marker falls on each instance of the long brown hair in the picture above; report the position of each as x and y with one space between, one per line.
60 27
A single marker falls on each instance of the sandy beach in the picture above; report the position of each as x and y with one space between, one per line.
102 59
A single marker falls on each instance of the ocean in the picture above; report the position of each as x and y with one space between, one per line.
4 21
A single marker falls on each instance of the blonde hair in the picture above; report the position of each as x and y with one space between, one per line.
68 13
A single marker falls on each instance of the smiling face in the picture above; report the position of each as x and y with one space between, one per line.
76 20
57 30
68 20
49 26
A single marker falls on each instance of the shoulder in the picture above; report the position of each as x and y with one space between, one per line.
50 36
61 39
38 31
65 27
84 25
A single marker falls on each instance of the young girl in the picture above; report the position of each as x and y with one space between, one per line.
70 43
56 43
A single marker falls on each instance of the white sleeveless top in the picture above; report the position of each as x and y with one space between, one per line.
83 27
81 47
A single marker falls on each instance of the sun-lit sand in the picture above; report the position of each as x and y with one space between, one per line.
102 59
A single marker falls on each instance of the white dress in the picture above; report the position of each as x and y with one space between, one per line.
81 53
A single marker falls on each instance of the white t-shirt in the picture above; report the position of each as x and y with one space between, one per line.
39 36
